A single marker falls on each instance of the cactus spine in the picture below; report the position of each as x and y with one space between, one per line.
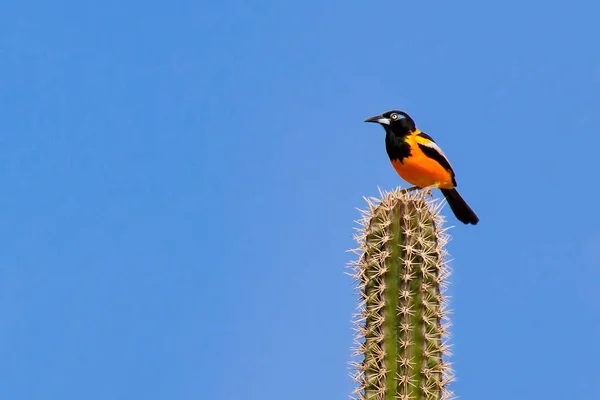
401 275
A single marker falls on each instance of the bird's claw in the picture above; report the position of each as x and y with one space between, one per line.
427 189
410 189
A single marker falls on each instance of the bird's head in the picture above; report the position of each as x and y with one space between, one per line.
395 120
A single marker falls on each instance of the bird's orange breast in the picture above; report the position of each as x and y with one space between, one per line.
420 170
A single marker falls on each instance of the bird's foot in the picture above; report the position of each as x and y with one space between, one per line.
427 189
410 189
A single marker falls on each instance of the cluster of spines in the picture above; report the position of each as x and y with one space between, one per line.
401 275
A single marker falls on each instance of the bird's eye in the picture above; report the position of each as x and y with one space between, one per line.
394 116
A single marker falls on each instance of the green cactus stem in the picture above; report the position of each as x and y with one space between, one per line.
401 275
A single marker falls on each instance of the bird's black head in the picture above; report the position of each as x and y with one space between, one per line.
395 121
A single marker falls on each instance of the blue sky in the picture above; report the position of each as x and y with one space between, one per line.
179 184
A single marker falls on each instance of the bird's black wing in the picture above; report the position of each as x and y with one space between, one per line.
433 151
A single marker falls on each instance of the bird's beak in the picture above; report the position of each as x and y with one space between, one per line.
379 119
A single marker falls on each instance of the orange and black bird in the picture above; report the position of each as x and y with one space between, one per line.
420 161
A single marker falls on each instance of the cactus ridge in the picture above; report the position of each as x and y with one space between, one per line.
401 326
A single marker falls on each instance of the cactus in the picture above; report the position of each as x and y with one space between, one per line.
402 326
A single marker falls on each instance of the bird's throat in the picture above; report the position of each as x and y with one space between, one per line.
396 147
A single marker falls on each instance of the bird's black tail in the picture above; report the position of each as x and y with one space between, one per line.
459 207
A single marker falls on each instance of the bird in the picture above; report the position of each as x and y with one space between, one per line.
418 160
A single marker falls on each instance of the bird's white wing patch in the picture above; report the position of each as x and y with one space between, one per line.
434 146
